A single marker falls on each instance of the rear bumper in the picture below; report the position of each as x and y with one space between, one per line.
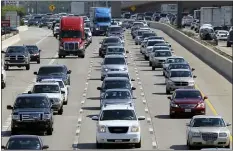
32 125
193 111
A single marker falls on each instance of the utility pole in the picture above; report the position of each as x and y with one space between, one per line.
36 7
179 14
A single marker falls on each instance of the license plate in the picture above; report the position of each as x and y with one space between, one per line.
187 110
210 142
118 140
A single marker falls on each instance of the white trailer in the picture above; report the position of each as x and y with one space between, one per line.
226 15
169 8
197 14
78 8
210 15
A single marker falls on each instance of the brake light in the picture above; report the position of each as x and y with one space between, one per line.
201 105
37 54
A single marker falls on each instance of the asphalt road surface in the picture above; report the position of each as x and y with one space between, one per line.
76 126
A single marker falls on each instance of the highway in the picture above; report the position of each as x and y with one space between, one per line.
76 126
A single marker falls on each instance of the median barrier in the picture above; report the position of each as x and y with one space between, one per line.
10 41
22 28
218 62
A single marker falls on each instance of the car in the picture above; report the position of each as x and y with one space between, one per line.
221 34
171 60
115 83
138 36
230 38
187 102
42 23
31 112
16 56
64 88
118 124
215 149
3 78
159 58
117 96
113 63
151 50
179 78
135 33
118 50
54 93
34 53
184 65
147 34
53 71
109 41
144 42
88 35
151 42
25 142
56 30
115 30
119 74
208 130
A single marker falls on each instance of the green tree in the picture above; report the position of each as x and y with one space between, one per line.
20 10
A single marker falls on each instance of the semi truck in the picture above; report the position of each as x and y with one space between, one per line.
210 15
100 20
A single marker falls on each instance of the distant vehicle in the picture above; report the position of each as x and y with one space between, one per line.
222 34
109 41
34 53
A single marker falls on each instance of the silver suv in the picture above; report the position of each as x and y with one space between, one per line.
179 78
159 58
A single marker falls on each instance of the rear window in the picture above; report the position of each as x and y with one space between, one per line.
111 40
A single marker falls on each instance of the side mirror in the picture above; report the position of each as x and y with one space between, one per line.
169 97
228 124
9 107
29 92
140 118
194 76
3 51
99 88
134 98
193 69
95 118
69 72
205 97
39 50
100 42
63 92
132 79
133 88
187 124
35 73
3 147
45 147
127 51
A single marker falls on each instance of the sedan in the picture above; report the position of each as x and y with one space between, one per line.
221 34
159 58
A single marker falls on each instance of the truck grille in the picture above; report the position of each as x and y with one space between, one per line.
181 83
187 106
209 136
71 46
118 129
17 59
31 116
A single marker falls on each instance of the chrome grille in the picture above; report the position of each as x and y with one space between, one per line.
118 129
209 136
181 83
187 106
30 116
71 46
114 69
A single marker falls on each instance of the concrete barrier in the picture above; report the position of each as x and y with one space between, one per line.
10 41
218 62
22 28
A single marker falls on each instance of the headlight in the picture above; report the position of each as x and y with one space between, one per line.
222 134
201 105
61 47
7 58
134 129
124 69
96 28
196 134
47 116
15 117
105 69
174 105
102 129
191 83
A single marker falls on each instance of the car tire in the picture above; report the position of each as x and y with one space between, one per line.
150 63
14 131
228 44
38 61
60 112
228 146
6 67
49 131
136 43
153 68
28 67
82 56
60 56
100 54
65 102
99 145
3 85
138 145
168 91
163 74
171 115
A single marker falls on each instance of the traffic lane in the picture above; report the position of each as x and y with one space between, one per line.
169 133
19 79
65 125
87 135
210 82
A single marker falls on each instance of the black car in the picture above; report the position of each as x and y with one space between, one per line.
31 112
34 53
25 142
42 23
230 39
110 41
54 71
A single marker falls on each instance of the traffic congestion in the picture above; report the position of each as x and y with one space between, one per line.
94 93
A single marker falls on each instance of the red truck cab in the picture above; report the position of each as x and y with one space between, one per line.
71 37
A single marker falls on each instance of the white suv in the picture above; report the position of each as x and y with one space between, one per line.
118 124
3 76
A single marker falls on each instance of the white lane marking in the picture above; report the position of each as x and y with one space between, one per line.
142 94
151 130
144 101
79 120
77 132
146 110
7 123
148 120
84 94
81 111
82 102
154 144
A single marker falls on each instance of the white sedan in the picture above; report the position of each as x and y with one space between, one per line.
222 34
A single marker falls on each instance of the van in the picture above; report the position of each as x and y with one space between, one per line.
207 33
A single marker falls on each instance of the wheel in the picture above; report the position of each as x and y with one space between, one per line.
168 91
3 85
171 115
100 54
38 61
163 74
228 44
28 67
60 56
14 131
49 131
150 64
82 56
136 43
60 112
6 67
228 146
138 145
153 68
65 102
99 145
102 78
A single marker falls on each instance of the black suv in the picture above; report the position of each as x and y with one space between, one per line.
31 111
230 38
110 41
54 71
16 56
34 53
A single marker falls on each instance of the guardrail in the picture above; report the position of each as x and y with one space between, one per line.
218 62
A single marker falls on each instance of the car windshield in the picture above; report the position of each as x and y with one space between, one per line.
22 143
175 60
46 89
32 49
117 95
181 74
188 94
223 32
71 34
160 48
208 122
61 84
117 50
118 115
103 19
108 61
15 50
117 84
118 75
179 66
152 43
111 40
87 30
163 54
115 29
31 102
50 70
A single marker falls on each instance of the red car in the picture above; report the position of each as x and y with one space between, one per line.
187 101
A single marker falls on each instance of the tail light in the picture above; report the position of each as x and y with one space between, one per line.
37 54
201 105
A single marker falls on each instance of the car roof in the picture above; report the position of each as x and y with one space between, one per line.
118 107
109 90
177 90
31 95
55 65
24 136
120 46
112 37
155 40
54 79
179 70
207 116
180 63
41 83
114 56
30 45
117 72
116 78
114 26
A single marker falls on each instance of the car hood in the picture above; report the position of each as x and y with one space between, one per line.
45 110
187 101
111 44
71 40
52 95
183 79
116 123
209 129
116 66
14 54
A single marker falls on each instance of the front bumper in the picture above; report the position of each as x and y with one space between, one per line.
35 58
71 52
32 125
158 64
220 142
192 111
16 63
